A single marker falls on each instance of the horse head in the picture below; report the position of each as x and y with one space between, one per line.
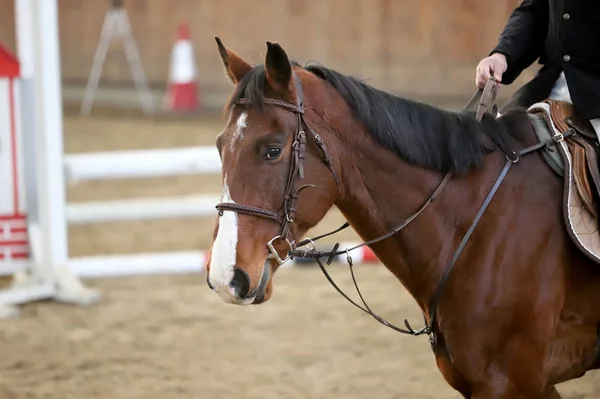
278 176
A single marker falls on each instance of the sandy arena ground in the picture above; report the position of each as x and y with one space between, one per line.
170 337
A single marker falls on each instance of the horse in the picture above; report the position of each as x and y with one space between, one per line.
520 306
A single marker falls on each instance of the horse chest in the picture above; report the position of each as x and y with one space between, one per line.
449 371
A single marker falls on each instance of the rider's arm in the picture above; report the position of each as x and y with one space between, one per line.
522 40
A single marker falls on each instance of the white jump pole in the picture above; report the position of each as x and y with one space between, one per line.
49 137
191 206
49 146
142 163
156 263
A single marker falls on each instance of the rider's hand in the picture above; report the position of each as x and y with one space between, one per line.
494 65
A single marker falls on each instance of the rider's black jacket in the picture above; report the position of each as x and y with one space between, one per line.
565 36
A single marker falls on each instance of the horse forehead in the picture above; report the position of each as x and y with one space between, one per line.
238 132
251 122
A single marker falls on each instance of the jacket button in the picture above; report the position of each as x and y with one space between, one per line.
566 16
566 57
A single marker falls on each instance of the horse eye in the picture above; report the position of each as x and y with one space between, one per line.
273 153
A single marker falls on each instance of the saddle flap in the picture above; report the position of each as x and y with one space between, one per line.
560 111
581 175
592 166
591 153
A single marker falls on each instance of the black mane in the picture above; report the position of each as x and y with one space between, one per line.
421 134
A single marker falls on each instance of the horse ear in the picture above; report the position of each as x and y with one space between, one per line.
235 67
279 71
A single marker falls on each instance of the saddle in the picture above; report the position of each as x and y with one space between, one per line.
575 158
583 147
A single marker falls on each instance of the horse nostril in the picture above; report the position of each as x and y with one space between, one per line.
209 284
240 283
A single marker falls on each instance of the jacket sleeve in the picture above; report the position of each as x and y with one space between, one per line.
522 40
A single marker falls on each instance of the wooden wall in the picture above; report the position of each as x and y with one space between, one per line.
414 47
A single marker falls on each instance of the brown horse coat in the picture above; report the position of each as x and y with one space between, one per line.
521 308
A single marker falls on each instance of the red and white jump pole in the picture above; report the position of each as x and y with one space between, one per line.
13 230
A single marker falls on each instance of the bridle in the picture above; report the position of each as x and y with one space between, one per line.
287 214
484 101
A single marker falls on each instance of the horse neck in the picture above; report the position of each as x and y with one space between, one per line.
380 190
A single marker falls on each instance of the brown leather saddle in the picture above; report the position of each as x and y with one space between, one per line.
584 147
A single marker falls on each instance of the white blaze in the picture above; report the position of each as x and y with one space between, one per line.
240 125
223 255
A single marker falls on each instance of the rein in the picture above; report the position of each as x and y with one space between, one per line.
484 100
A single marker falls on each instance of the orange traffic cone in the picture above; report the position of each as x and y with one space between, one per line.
182 95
